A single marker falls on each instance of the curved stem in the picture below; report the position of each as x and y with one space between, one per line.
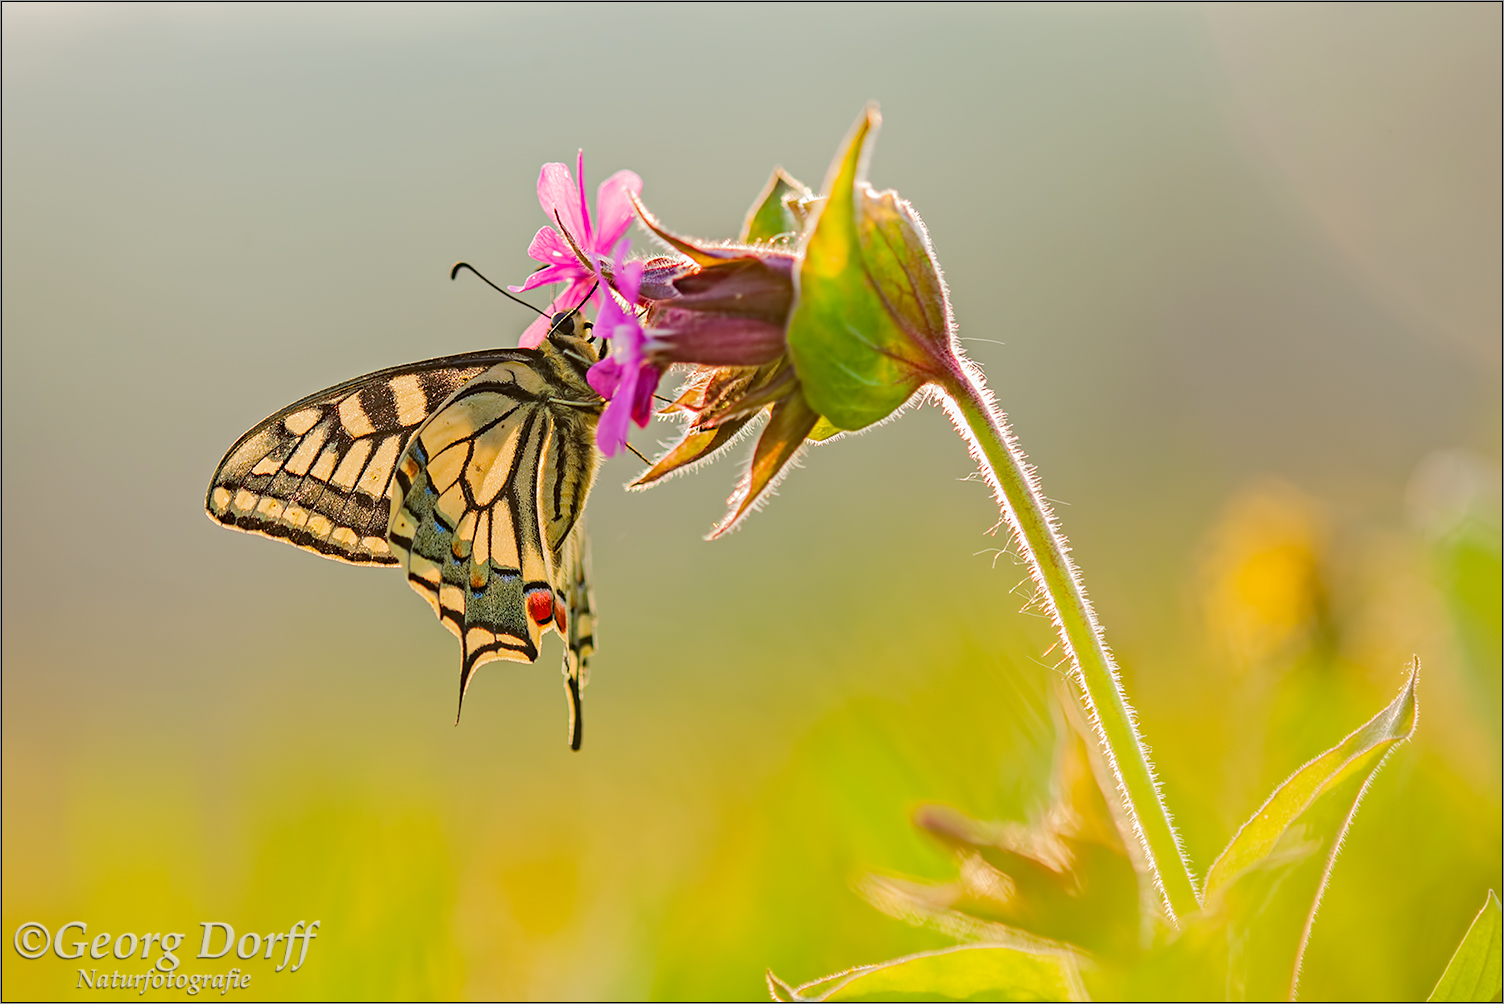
976 416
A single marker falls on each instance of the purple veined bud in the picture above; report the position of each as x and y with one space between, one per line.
872 323
730 309
829 313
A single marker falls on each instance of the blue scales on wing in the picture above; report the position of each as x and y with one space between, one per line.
489 498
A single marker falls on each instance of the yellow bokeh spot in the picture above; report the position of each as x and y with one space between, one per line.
1263 587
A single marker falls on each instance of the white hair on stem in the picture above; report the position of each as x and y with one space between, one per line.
968 381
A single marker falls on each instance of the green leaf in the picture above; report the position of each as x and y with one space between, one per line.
1357 754
771 219
1474 974
1263 891
964 973
863 333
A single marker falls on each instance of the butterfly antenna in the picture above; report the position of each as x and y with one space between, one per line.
581 305
638 455
573 311
454 272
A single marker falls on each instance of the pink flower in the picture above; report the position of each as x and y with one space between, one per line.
625 378
563 201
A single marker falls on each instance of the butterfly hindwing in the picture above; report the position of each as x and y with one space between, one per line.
317 473
487 505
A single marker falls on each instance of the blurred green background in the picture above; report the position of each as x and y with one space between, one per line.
1233 272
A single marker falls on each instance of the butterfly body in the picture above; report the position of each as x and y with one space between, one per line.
470 471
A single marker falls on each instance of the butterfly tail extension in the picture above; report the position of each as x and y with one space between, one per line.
454 563
576 714
578 628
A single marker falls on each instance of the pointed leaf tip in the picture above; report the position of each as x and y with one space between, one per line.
1360 751
871 324
771 217
697 445
700 256
1474 974
781 440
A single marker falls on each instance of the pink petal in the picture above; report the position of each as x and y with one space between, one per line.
611 316
642 404
614 210
611 433
567 300
575 295
586 237
550 247
551 274
609 320
535 333
604 377
628 280
557 193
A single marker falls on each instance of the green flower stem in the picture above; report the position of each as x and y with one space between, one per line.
976 416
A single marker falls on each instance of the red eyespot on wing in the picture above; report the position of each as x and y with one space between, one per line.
560 619
540 606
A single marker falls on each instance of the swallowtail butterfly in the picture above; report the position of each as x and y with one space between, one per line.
469 471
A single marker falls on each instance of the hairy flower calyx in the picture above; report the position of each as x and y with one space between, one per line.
872 322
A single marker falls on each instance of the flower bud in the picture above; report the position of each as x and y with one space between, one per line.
729 308
829 312
872 321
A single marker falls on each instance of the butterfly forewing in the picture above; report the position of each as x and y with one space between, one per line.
487 504
317 473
